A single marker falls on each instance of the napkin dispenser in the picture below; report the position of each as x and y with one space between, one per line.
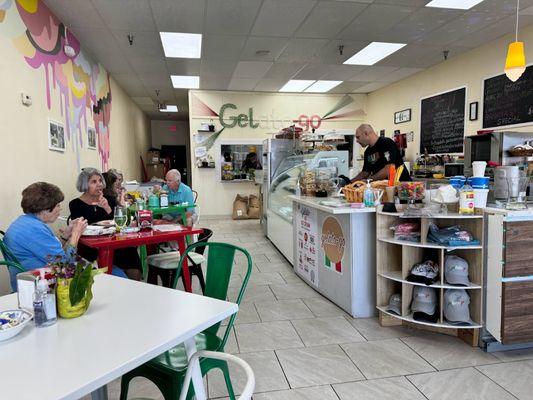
26 285
144 219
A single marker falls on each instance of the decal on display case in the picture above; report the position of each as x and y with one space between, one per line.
333 242
307 243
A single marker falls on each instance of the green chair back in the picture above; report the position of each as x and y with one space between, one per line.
220 261
12 265
8 255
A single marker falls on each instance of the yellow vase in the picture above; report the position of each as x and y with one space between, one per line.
64 308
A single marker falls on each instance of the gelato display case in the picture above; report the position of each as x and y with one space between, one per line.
280 206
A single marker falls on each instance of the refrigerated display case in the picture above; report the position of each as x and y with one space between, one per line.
279 206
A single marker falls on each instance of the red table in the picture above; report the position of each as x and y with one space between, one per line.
106 246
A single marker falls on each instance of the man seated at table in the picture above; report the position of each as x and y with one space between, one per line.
179 193
32 241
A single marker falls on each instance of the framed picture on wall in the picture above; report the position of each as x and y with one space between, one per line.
472 115
402 116
56 136
91 138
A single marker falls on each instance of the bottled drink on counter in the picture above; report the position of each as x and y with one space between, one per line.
44 304
466 199
368 195
163 199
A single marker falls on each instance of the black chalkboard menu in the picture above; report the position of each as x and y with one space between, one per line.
506 102
442 122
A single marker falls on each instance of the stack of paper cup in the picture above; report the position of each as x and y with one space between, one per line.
480 198
478 168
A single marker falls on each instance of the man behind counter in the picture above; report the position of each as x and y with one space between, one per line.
380 153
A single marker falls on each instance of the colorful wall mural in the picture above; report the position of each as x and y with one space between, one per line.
81 83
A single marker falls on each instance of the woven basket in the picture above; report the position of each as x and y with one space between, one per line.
520 153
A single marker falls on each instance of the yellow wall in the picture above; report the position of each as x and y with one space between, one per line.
272 111
468 69
24 152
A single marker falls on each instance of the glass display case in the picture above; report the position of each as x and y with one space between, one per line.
290 169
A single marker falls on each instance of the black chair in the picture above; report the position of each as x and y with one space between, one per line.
195 193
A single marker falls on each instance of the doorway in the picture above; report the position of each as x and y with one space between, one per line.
177 154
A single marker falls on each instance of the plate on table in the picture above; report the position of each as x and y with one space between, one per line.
333 203
12 322
94 230
106 223
167 228
130 229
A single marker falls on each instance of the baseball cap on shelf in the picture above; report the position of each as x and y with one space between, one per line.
456 306
395 304
426 272
456 270
424 300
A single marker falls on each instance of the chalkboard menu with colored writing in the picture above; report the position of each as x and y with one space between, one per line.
508 103
442 122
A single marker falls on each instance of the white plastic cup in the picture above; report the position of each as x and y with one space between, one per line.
478 168
480 198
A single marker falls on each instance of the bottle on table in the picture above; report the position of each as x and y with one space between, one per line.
44 304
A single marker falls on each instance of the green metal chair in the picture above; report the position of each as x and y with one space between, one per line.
9 257
167 371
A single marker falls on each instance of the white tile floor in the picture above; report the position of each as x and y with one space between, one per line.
302 347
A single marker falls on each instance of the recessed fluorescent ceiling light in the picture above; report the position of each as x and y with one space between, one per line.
374 52
459 4
181 45
169 108
296 85
185 81
322 86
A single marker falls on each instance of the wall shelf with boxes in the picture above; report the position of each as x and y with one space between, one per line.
397 274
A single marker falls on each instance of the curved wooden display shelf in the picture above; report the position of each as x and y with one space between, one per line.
397 276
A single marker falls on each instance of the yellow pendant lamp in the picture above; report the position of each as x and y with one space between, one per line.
515 63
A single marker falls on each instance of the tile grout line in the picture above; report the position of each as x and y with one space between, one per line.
420 355
282 369
496 383
353 362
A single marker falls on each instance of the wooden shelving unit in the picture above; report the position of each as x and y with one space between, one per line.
394 259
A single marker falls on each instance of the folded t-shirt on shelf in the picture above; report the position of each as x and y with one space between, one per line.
451 236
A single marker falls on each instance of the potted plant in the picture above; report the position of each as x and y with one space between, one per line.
74 282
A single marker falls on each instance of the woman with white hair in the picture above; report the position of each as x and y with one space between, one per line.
94 206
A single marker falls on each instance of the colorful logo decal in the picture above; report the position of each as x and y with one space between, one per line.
333 242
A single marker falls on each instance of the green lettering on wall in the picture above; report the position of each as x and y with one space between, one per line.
221 115
242 120
252 125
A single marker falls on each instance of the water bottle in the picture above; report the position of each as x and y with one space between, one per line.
44 304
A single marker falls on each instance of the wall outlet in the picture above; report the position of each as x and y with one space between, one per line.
26 99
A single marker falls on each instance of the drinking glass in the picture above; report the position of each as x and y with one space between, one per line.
516 197
121 217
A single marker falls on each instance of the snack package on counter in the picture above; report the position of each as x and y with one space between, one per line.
451 236
409 231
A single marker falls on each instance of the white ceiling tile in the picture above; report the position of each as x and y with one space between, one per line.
231 17
419 56
281 17
252 69
374 20
342 72
78 13
412 3
256 43
497 6
143 65
399 74
126 14
179 16
219 47
222 68
283 71
270 85
330 53
465 25
182 66
152 81
211 82
312 71
145 44
97 41
328 18
131 84
370 87
302 49
242 84
347 87
143 101
373 73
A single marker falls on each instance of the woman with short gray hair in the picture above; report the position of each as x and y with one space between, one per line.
94 206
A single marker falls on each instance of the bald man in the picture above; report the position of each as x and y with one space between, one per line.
380 153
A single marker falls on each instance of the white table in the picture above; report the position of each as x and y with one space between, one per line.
127 324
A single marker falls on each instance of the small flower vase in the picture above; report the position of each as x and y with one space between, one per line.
64 307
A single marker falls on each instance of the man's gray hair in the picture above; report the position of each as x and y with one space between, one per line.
366 128
175 174
82 184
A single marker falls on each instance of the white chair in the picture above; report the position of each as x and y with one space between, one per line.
248 390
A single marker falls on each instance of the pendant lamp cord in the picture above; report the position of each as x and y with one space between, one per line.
517 9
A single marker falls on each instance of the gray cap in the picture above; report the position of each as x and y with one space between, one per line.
456 270
424 300
395 304
456 306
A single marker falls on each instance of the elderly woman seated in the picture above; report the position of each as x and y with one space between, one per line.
29 237
94 206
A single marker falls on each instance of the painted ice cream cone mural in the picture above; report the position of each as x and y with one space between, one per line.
81 83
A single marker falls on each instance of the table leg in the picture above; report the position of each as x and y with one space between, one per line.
197 381
105 259
185 266
99 394
144 263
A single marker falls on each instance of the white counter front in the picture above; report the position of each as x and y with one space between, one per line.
334 251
